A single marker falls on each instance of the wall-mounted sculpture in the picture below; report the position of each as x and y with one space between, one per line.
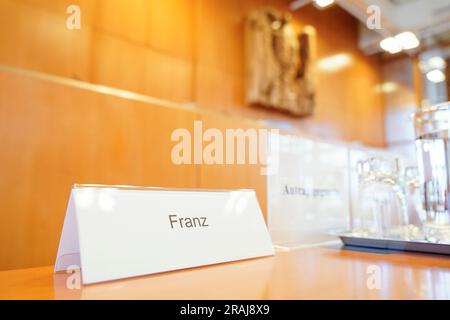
280 63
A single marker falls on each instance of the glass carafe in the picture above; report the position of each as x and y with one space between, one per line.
432 133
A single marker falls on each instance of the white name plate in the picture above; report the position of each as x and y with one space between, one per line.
119 232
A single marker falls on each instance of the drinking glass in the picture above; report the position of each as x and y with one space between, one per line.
382 209
432 132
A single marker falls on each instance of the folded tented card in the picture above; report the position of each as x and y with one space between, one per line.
115 232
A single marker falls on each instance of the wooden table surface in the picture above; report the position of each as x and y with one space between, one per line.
327 272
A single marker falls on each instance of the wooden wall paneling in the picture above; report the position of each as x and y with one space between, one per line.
52 136
232 176
145 46
171 27
346 97
219 55
122 64
127 20
36 38
88 7
187 51
366 111
220 65
220 91
418 84
342 111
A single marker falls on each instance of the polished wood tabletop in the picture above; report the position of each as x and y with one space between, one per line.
325 272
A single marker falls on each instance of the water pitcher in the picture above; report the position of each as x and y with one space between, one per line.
433 154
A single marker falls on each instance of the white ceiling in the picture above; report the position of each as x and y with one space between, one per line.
428 19
413 15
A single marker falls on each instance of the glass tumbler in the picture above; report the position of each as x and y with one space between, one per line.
382 203
432 132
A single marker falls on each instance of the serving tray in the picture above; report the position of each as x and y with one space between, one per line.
350 239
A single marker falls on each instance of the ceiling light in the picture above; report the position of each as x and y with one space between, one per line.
323 3
407 40
435 76
432 63
436 63
390 45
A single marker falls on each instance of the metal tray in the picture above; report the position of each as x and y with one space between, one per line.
350 239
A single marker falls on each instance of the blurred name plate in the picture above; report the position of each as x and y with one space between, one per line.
114 232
